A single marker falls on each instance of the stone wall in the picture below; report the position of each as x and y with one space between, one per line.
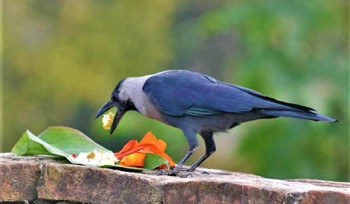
45 179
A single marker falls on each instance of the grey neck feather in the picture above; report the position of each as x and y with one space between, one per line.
131 89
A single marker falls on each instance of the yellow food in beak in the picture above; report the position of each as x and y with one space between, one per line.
107 120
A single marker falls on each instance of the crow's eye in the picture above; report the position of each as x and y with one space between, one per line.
131 105
115 97
123 103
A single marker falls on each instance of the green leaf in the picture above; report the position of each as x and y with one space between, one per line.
56 140
69 140
26 146
153 161
52 149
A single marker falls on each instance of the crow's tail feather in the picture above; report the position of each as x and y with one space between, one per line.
302 114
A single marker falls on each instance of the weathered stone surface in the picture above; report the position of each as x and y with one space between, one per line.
95 185
17 179
44 179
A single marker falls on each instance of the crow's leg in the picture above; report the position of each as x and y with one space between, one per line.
193 143
210 149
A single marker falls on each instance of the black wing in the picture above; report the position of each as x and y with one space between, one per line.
181 92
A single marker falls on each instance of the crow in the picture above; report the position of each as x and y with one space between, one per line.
197 103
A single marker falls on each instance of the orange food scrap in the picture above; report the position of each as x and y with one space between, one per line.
136 159
134 153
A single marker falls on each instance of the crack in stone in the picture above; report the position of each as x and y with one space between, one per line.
41 167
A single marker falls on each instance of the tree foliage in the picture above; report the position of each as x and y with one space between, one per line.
63 58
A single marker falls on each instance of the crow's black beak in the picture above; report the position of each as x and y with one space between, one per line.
118 116
121 111
105 108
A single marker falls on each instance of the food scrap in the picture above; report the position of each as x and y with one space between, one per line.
134 153
107 120
95 158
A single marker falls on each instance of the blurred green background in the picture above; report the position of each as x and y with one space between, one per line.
62 59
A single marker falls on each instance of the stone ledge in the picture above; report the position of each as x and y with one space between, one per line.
46 179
